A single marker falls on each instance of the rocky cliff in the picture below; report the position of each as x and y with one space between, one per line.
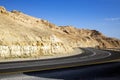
90 38
22 36
25 36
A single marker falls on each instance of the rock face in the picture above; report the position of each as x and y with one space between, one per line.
90 38
24 36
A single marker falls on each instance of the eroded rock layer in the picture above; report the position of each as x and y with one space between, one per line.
23 36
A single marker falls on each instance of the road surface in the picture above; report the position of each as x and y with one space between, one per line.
91 56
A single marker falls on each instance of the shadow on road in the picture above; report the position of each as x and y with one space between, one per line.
109 71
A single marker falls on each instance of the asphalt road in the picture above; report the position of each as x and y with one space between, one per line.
90 57
107 71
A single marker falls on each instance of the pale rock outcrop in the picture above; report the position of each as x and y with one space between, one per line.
2 10
25 36
90 38
22 35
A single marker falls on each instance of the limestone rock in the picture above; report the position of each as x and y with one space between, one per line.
22 35
90 38
2 9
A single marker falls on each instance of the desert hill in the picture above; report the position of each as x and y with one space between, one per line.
24 35
90 38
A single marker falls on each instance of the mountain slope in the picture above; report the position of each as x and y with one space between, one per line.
23 36
91 38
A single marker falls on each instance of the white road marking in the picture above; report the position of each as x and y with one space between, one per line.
87 58
94 53
109 54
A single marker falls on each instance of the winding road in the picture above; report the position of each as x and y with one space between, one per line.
89 57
